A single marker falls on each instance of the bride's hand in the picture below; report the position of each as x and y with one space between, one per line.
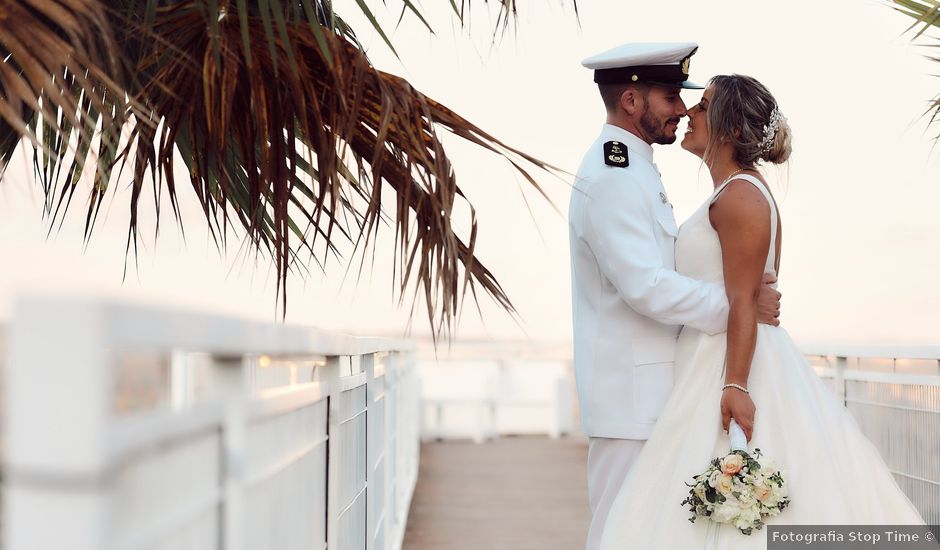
738 405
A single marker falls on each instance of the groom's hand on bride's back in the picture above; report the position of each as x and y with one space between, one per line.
768 302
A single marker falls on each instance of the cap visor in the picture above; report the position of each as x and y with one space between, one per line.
685 84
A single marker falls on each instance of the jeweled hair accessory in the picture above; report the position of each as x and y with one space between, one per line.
770 130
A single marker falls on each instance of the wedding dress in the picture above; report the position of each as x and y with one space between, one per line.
834 474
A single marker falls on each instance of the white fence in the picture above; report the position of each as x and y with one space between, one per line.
894 394
483 390
129 429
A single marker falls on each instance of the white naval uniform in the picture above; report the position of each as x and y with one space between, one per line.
628 305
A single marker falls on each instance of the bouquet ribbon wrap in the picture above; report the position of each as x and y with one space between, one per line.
737 437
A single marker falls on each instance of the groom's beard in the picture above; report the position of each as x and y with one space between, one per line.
655 128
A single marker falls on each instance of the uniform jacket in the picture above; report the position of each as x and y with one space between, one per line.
628 302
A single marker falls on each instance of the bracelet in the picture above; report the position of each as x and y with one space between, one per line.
736 386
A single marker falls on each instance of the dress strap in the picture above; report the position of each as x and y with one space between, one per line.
770 266
746 177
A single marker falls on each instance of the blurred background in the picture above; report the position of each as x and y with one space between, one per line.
860 258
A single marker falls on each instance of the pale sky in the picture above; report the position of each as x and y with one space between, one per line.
858 198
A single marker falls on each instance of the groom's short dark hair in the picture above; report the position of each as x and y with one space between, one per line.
611 93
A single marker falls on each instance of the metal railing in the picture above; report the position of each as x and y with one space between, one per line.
131 428
893 392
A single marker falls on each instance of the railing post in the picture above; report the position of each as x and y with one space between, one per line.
407 448
60 374
331 375
841 365
374 450
227 381
412 390
392 441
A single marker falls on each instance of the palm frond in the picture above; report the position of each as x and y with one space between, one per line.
288 132
59 72
506 16
926 15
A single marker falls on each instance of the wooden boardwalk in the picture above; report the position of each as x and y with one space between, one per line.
519 493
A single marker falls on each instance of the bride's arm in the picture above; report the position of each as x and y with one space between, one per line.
741 216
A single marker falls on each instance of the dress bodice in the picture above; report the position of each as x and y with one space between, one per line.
698 250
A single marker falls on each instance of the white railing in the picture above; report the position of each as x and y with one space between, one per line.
131 428
482 390
894 394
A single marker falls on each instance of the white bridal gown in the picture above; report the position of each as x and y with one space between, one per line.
834 474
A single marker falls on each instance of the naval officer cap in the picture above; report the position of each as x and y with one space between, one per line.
662 63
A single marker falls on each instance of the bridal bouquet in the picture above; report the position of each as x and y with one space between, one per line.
739 488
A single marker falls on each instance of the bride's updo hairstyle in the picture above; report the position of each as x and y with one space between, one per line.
743 112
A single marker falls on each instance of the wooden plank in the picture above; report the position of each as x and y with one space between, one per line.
519 493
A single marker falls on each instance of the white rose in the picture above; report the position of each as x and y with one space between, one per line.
767 465
724 484
762 492
747 498
732 464
726 512
713 478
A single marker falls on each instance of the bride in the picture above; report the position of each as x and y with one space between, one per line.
754 373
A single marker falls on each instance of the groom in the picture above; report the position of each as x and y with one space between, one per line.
628 302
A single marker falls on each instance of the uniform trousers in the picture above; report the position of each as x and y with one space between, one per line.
608 462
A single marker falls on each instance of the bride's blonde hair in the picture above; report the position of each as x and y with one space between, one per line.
741 111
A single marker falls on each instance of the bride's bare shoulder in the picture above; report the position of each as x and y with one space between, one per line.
741 205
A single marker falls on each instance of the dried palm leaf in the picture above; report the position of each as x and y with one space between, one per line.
287 130
505 16
60 79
